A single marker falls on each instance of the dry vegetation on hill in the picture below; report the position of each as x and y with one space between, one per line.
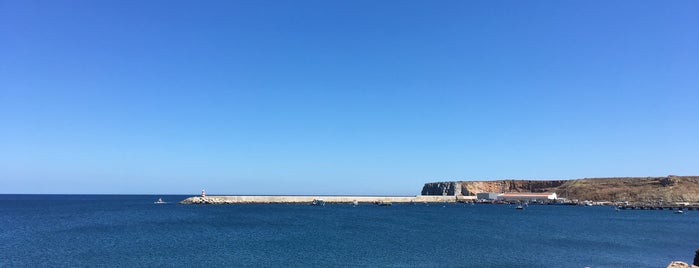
652 189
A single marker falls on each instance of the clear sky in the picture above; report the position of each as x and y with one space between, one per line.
342 97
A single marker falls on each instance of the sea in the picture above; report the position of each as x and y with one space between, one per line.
133 231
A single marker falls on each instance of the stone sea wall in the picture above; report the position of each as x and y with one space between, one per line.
262 199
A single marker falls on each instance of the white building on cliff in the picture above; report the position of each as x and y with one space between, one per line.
529 197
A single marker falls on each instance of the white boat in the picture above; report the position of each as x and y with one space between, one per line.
355 203
679 211
160 201
519 207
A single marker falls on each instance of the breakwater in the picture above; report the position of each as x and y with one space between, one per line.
274 199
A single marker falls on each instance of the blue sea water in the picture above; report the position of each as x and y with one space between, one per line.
132 231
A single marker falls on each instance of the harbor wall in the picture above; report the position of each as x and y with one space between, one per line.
266 199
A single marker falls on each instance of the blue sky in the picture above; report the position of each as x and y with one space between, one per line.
342 97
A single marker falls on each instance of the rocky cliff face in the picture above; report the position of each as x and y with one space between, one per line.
500 186
667 189
442 188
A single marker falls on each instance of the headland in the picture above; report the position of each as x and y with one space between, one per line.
669 189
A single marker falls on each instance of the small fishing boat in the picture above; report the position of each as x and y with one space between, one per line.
160 201
519 207
355 203
318 202
679 211
383 203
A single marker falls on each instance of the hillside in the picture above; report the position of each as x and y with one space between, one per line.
633 189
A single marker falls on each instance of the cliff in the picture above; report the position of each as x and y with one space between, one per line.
638 189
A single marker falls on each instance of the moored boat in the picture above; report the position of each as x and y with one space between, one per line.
383 203
318 202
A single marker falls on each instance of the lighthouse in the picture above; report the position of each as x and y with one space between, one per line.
203 193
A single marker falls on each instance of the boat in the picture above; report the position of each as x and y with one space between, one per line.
355 203
160 201
383 203
519 207
318 202
679 211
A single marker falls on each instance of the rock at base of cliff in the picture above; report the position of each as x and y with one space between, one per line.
679 264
